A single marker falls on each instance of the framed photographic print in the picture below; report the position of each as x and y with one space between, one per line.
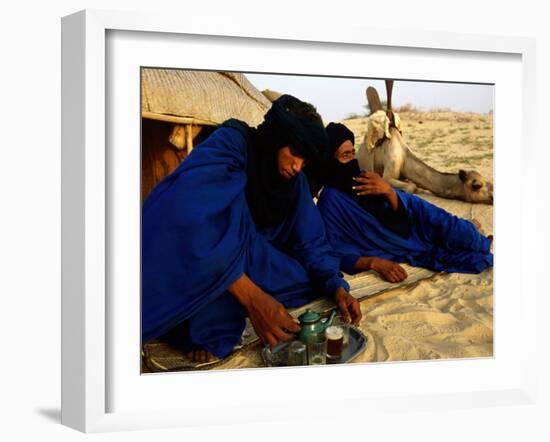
146 104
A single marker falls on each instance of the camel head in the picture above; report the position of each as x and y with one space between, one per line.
380 121
378 129
476 188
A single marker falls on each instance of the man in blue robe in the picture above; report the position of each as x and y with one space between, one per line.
233 232
372 226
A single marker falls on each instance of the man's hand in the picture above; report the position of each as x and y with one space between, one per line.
389 271
370 183
348 306
270 319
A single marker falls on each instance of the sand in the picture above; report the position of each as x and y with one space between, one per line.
449 316
448 141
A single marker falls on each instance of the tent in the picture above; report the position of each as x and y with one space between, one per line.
179 108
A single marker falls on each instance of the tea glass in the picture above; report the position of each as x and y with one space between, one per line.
345 326
335 342
297 353
317 349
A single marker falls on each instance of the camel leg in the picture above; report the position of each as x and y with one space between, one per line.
402 185
392 171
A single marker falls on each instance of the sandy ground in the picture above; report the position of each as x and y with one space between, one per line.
449 316
448 141
445 315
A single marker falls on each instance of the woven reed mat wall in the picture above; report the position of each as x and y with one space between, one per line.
211 97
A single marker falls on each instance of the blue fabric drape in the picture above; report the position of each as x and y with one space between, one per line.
438 241
198 237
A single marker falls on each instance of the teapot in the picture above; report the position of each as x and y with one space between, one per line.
312 325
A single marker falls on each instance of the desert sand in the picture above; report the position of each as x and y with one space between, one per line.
439 316
448 141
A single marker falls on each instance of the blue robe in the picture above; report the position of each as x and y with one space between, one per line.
438 241
198 237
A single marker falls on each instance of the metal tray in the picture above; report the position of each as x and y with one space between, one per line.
277 356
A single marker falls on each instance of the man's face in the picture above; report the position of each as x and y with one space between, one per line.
345 153
289 164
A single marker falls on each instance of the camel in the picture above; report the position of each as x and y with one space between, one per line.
384 151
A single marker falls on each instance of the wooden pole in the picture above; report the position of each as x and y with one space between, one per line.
189 138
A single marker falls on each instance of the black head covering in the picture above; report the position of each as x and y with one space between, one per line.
337 134
336 174
289 122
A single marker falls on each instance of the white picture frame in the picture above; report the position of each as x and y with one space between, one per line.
88 362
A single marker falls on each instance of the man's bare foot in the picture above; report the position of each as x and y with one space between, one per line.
201 356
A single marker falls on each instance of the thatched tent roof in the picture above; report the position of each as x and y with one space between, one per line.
204 98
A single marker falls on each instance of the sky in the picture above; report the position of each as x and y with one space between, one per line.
336 98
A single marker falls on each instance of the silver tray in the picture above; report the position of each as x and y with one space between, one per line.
277 356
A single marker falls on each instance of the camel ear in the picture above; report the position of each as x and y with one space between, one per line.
378 126
371 141
387 126
463 175
397 122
